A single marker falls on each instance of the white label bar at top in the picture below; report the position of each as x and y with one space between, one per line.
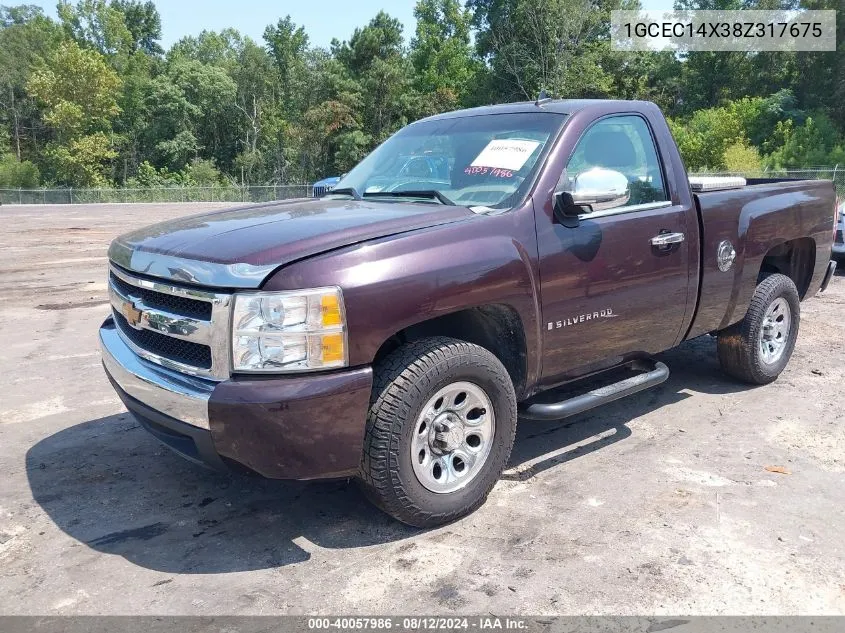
745 30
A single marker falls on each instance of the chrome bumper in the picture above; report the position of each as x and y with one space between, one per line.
179 396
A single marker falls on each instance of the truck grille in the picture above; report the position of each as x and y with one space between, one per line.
319 192
162 301
168 347
839 239
179 327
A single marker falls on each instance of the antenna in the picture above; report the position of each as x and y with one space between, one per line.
543 98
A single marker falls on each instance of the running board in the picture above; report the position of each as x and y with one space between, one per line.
654 373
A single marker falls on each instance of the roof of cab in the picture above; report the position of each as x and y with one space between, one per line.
557 106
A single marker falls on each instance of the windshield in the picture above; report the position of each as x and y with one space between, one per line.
485 160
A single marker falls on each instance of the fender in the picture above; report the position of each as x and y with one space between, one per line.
393 283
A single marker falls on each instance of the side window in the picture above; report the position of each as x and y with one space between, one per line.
621 144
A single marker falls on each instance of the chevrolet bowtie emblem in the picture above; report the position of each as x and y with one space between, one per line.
132 314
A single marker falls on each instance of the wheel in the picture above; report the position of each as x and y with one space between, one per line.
440 429
757 349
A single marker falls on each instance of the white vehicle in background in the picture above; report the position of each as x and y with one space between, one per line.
839 239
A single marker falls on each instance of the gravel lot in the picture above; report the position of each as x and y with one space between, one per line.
659 504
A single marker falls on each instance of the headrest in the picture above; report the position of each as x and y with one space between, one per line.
610 148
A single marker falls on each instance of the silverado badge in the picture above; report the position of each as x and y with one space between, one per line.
607 313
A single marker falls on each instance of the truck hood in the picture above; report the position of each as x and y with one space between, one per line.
238 248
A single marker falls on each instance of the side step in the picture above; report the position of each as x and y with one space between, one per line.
653 373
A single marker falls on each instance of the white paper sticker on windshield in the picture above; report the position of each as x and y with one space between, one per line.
505 153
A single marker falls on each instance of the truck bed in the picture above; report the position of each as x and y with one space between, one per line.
770 222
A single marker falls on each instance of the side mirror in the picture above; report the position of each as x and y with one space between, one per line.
596 189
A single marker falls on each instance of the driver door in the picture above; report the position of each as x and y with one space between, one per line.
609 293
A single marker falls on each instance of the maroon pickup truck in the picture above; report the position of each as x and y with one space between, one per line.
395 329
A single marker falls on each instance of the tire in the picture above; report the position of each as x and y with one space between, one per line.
406 382
742 353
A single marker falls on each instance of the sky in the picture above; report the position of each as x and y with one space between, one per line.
322 19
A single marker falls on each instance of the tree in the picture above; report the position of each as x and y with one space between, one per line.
288 44
256 92
441 53
18 174
820 77
96 24
375 58
191 105
134 120
92 98
816 143
742 157
704 138
209 47
143 22
27 38
79 92
557 45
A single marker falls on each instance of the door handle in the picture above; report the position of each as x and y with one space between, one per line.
667 239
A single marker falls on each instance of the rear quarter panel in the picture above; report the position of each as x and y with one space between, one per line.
755 220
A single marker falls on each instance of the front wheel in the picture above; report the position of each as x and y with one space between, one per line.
439 432
757 349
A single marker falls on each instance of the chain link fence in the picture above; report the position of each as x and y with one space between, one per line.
267 193
260 193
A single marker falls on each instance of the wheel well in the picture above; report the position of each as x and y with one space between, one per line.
796 259
496 328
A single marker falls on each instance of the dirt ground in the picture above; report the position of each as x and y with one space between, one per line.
659 504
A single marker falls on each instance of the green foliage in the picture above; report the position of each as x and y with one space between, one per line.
705 137
97 24
441 52
742 157
81 161
79 92
199 173
143 23
203 173
558 45
78 89
18 174
815 143
92 99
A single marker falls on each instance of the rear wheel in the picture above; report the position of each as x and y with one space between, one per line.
439 432
758 348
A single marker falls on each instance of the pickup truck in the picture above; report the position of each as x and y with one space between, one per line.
394 333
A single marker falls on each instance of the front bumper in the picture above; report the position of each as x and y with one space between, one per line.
291 427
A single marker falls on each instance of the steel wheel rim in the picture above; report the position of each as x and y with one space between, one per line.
452 437
774 331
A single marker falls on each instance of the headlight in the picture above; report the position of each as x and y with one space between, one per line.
288 331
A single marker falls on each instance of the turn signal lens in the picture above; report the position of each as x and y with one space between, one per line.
333 348
330 311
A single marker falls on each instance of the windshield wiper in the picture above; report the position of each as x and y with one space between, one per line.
431 194
346 191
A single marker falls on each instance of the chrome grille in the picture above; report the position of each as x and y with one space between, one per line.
174 349
170 303
179 327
